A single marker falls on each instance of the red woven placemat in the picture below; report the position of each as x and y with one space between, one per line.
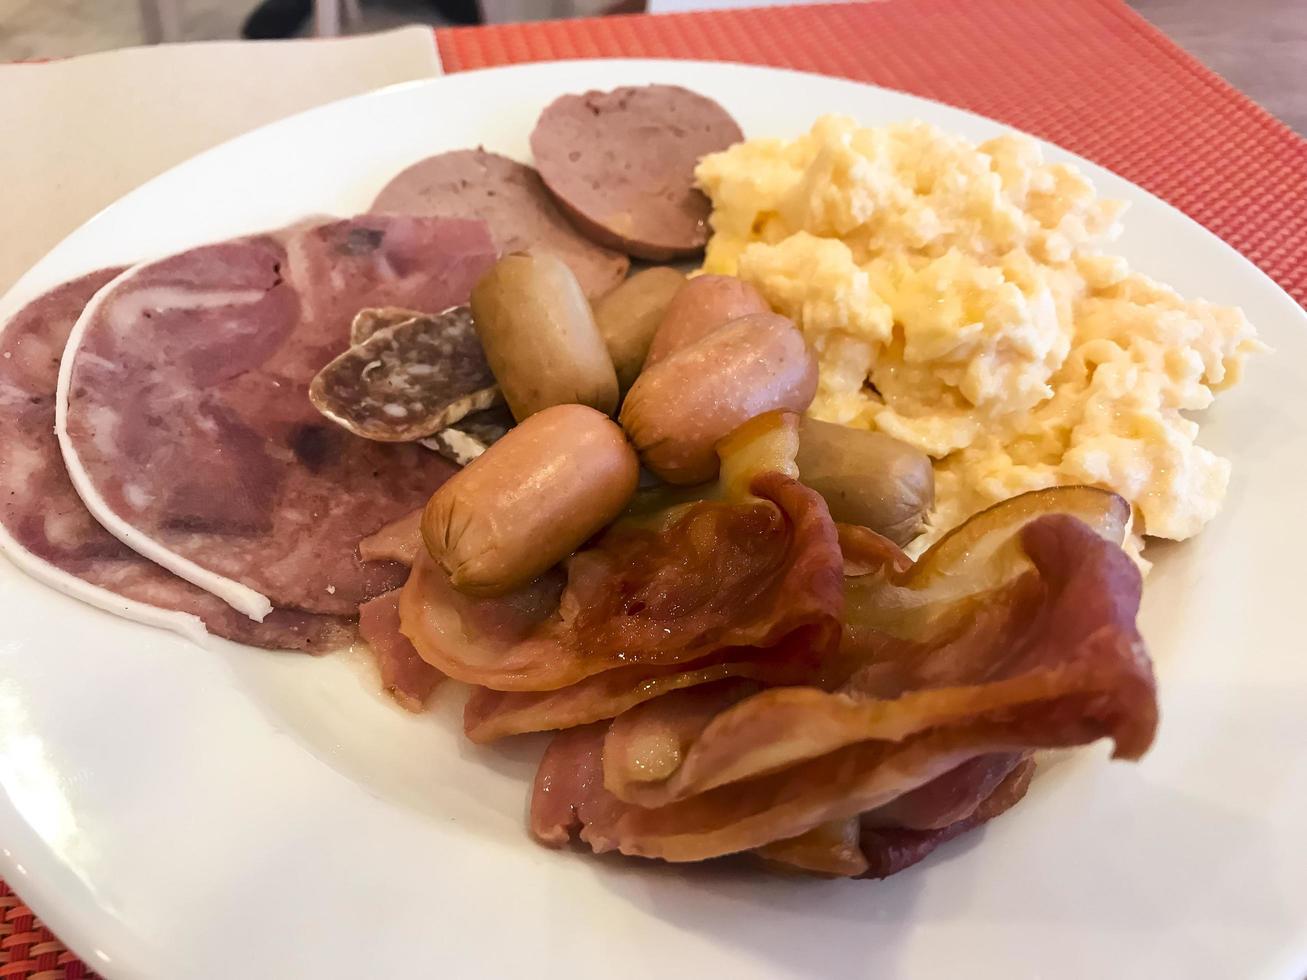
1090 75
1087 74
28 949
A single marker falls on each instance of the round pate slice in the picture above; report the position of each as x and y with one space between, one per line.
621 165
510 197
47 531
184 417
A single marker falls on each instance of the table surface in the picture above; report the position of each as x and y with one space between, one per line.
1258 46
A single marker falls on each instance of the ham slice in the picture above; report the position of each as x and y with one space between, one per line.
47 531
185 422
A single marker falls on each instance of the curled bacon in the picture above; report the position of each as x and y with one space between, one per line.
736 674
569 799
489 714
833 849
720 574
888 850
1055 661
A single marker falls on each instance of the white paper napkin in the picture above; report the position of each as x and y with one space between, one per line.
75 135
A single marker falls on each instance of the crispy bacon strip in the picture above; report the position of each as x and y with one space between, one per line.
489 715
569 799
903 832
718 575
1060 665
833 849
1030 639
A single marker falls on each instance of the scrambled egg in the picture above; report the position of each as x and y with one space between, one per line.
958 298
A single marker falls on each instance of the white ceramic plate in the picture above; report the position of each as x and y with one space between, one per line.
172 811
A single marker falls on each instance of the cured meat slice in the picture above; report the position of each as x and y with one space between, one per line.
888 850
47 531
1061 631
489 714
718 575
621 165
408 678
508 196
886 840
568 799
475 432
409 380
397 541
1017 633
833 849
184 417
949 799
1070 670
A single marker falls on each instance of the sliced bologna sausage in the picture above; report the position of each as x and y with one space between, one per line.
510 198
186 425
47 531
621 164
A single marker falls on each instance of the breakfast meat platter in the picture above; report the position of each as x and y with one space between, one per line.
763 513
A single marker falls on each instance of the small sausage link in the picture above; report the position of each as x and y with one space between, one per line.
701 306
867 478
530 500
540 337
678 410
628 315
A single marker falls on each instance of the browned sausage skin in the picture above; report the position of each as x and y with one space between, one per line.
530 500
679 409
867 478
701 306
540 337
628 316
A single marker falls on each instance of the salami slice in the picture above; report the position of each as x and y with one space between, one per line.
46 530
508 196
409 380
621 165
185 422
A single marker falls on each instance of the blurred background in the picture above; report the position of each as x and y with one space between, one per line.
1260 46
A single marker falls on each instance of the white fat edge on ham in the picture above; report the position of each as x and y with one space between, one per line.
240 597
189 626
